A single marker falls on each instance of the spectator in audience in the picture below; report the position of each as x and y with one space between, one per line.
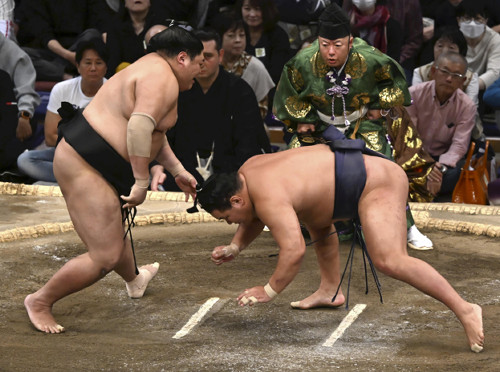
409 16
266 40
206 12
299 19
444 117
91 64
429 7
237 61
126 33
483 53
180 10
57 27
449 39
7 19
113 6
152 31
491 97
493 8
300 12
372 22
18 101
446 14
219 126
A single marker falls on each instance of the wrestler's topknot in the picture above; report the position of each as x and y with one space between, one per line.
174 40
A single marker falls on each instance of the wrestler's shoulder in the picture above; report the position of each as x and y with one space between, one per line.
151 65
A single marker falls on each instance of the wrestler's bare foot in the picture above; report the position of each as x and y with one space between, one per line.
40 315
137 287
473 325
319 299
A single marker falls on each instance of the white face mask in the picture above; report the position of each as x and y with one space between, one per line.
364 4
472 29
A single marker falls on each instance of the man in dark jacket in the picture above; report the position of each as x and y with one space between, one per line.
219 125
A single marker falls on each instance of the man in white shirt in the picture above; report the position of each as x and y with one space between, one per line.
91 59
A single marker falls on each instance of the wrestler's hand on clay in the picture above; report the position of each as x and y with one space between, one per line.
305 128
187 183
137 196
252 296
224 253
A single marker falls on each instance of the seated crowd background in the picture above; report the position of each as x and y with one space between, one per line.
48 42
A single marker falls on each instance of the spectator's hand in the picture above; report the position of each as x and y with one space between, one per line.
252 296
23 130
158 176
482 84
435 179
305 128
428 32
187 183
136 197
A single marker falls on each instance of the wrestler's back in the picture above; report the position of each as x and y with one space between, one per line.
147 86
305 177
302 177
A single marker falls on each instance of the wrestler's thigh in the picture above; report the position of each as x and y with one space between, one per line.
382 214
92 203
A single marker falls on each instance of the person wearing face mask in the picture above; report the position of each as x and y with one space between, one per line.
409 15
444 117
483 54
372 22
449 39
343 82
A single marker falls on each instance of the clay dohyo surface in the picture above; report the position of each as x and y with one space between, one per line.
107 331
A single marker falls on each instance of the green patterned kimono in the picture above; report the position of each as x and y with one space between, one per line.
378 82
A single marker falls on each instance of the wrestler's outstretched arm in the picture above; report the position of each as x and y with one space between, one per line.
285 228
245 234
